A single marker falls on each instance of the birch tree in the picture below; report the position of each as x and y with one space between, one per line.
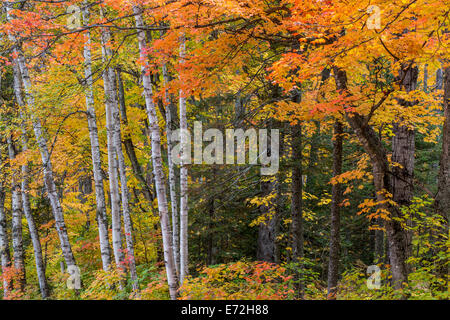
101 216
112 136
157 160
184 269
49 181
125 198
4 243
16 209
172 174
25 190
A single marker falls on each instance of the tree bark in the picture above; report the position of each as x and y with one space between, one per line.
4 243
212 240
128 143
22 73
442 202
184 262
128 224
439 79
16 208
112 136
425 78
266 231
172 278
443 194
101 216
297 234
403 148
34 233
172 174
382 181
336 194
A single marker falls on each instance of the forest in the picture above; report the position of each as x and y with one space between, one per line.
224 149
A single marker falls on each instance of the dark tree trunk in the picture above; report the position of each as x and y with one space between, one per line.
297 190
403 148
442 203
425 78
443 194
297 203
379 242
266 231
313 158
128 143
439 79
382 181
335 240
212 239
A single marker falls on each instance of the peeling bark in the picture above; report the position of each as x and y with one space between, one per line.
22 72
166 231
101 216
4 243
112 136
184 262
16 208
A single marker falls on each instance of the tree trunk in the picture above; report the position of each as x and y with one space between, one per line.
443 194
184 269
16 208
212 240
335 239
382 181
172 174
403 148
379 242
266 231
172 278
442 202
34 233
112 136
439 79
21 71
4 244
297 235
101 216
60 225
425 78
128 143
128 224
280 201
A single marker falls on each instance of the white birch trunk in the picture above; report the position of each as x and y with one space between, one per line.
184 270
34 233
172 179
16 208
4 247
48 172
128 225
110 106
157 161
45 157
101 216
